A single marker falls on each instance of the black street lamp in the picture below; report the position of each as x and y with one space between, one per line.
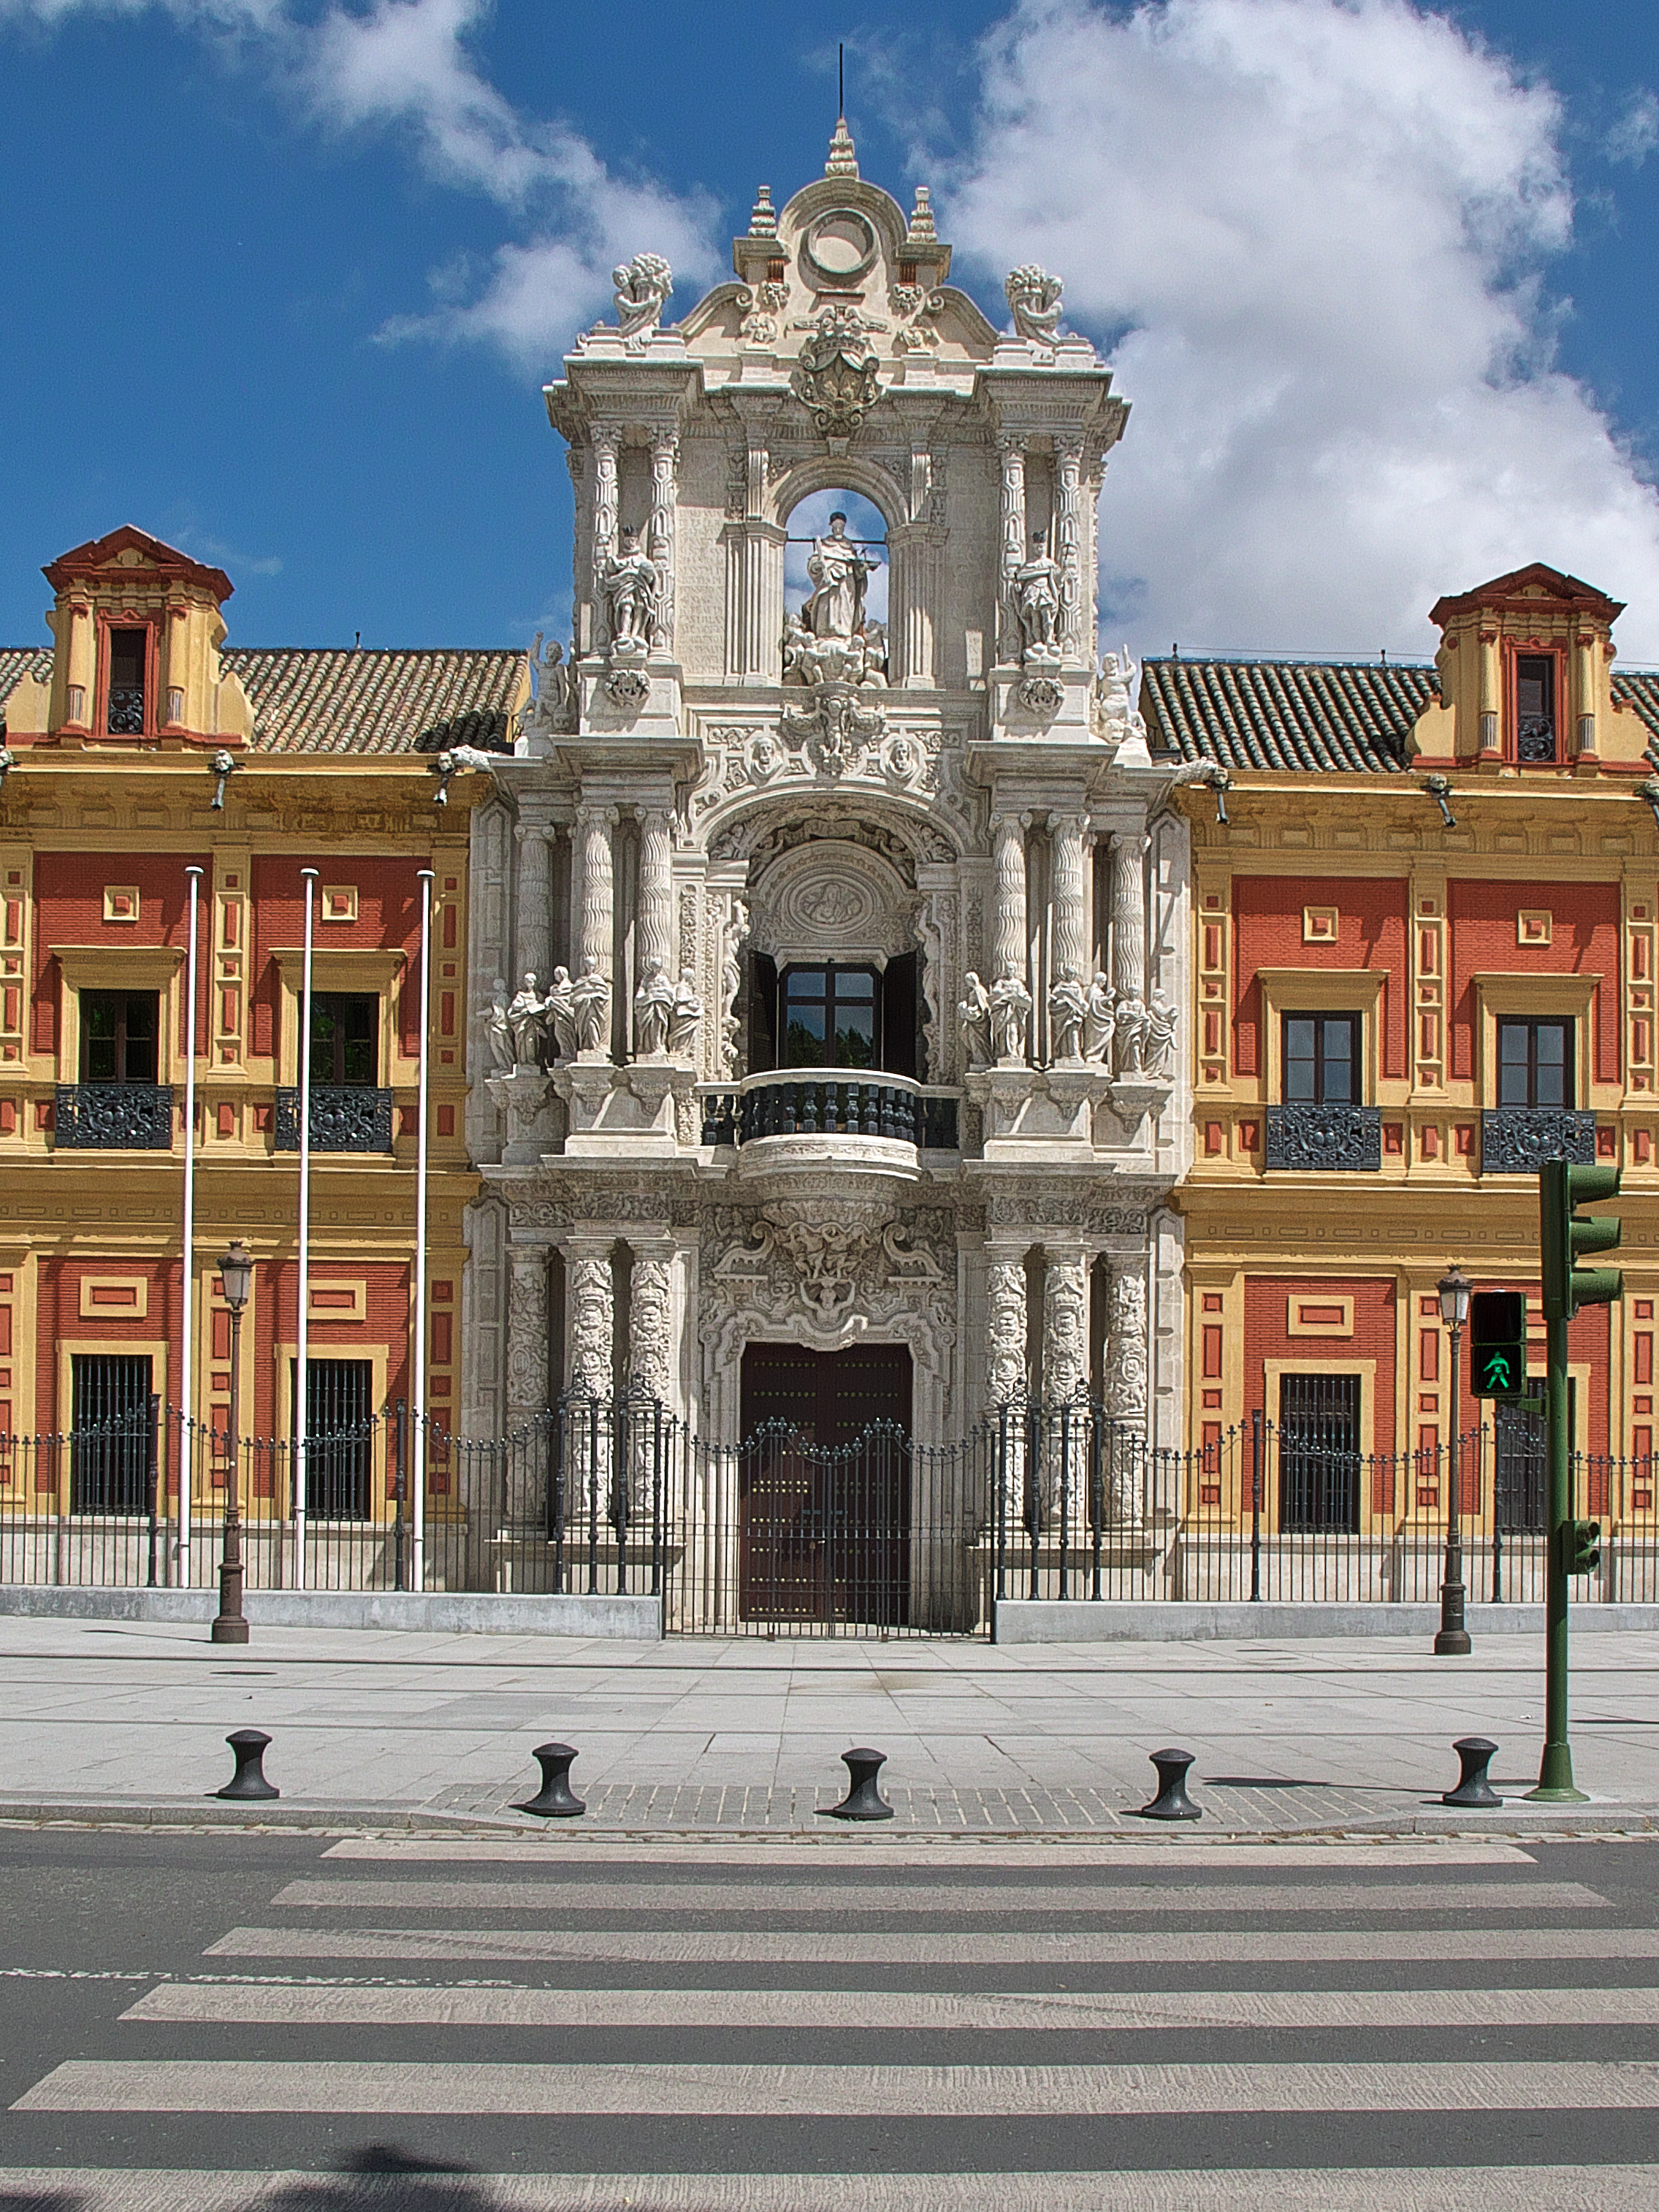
1453 1639
235 1277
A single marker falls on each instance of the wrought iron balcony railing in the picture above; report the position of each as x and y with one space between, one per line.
345 1117
1534 740
825 1102
1518 1139
126 710
116 1117
1346 1137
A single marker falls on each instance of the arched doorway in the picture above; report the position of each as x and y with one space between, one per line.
823 1483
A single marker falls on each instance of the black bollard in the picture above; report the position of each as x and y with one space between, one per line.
249 1779
1171 1803
554 1800
1475 1754
864 1799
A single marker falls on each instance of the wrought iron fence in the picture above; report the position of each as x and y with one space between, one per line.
779 1536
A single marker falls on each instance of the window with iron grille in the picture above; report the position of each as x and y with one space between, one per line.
1534 707
123 706
1322 1059
345 1038
1534 1063
118 1035
110 1422
340 1439
1519 1466
1319 1453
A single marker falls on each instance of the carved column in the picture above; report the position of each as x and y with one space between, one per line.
1128 915
1068 548
594 827
656 914
1005 1330
526 1366
1125 1380
606 439
532 937
1011 453
1008 859
1065 1324
1066 882
590 1294
665 493
651 1321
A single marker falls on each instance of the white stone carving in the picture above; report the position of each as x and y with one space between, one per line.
589 996
1034 299
1133 1029
837 378
591 1290
1125 1388
838 730
830 899
525 1023
1068 1009
650 1326
1064 1327
1036 603
974 1019
632 593
642 288
1005 1331
684 1017
1158 1053
1011 1015
653 1006
551 711
1100 1022
841 569
626 688
559 1008
498 1031
734 934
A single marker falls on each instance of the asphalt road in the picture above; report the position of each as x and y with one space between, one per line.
213 2020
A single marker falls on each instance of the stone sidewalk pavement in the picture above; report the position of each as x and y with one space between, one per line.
745 1734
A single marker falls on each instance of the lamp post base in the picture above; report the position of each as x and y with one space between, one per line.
1452 1644
228 1628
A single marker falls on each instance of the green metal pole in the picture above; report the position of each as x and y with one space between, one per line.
1555 1769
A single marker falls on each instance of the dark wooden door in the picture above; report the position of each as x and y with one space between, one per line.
824 1484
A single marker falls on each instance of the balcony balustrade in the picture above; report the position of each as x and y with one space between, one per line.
1518 1139
829 1103
114 1117
345 1117
1345 1137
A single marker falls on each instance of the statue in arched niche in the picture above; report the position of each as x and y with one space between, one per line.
841 569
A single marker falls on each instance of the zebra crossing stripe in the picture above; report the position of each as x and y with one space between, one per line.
274 2004
1294 2188
750 2092
1137 1946
862 1856
1103 1898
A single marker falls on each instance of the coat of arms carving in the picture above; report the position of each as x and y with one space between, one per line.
836 377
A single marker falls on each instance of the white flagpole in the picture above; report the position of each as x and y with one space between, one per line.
417 1579
188 1348
302 1379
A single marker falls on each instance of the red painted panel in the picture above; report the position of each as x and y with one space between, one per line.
1371 934
1585 934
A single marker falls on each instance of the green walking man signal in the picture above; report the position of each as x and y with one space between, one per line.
1562 1235
1497 1344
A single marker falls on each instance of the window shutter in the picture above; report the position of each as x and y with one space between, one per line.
762 1014
898 1015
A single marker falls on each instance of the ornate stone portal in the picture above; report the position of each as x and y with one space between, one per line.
850 948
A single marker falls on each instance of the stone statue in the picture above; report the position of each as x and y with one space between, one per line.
498 1029
682 1020
1116 714
840 570
1159 1050
1036 602
549 709
1034 298
1011 1009
1133 1026
642 286
560 1010
524 1024
797 650
874 670
631 588
653 1004
1099 1022
1067 1010
591 998
974 1015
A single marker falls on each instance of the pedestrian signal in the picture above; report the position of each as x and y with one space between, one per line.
1581 1546
1497 1344
1564 1233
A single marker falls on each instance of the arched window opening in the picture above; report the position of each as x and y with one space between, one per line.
835 572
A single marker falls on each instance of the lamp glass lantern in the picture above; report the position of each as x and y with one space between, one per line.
1456 1289
236 1275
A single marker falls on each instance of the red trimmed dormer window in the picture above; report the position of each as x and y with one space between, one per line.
128 704
1537 718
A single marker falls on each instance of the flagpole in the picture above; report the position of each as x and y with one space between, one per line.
302 1379
187 1347
418 1577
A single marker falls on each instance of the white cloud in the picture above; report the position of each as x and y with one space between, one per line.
406 63
1323 224
1636 133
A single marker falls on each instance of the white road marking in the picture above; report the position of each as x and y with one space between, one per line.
861 1853
416 2005
857 1946
83 2085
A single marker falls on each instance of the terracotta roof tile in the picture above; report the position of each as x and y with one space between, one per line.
1317 716
323 700
17 661
1637 690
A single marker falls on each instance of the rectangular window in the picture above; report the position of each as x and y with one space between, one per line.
1319 1453
1534 1063
109 1442
1519 1465
340 1433
1322 1059
830 1018
1534 707
118 1035
129 653
345 1038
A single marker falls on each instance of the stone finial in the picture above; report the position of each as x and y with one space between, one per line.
763 217
843 154
921 217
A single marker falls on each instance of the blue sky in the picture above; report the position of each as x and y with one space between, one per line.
285 278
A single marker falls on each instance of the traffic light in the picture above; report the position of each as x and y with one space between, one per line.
1497 1344
1562 1236
1581 1546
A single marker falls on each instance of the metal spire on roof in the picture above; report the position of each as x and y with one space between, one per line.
843 154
